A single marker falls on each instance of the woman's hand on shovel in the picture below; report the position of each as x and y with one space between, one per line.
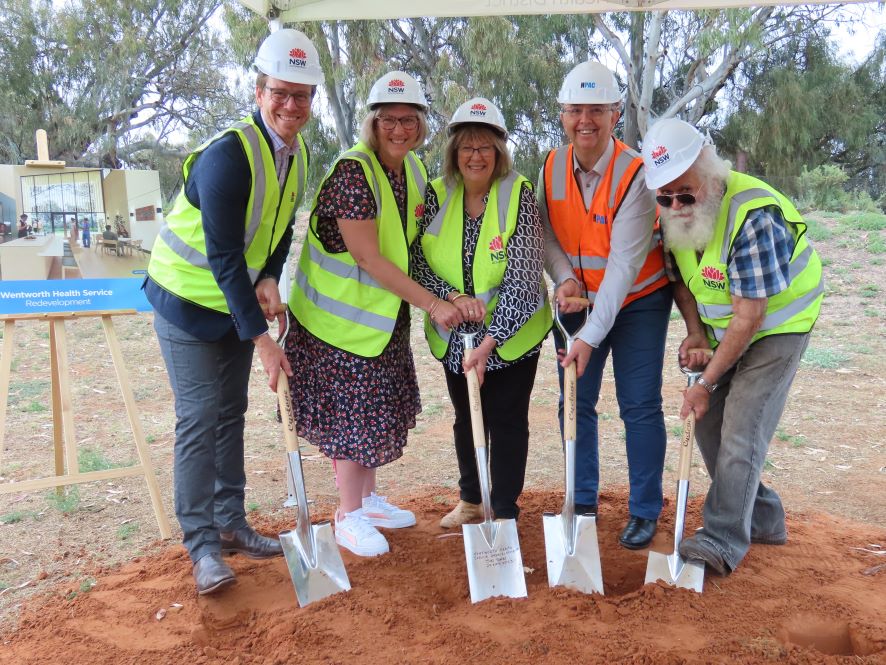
478 358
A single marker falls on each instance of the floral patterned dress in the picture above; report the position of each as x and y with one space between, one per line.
351 407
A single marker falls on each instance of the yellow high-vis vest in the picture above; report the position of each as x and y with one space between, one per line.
442 247
796 308
178 258
335 299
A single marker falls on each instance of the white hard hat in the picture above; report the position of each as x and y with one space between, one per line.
479 110
397 88
589 83
670 147
290 56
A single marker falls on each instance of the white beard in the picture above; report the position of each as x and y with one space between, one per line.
691 227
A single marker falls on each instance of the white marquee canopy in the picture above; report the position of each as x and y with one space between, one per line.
295 11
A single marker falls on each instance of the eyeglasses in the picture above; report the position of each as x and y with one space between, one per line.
388 122
667 200
467 151
280 97
595 112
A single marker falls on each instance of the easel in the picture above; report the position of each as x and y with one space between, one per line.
67 470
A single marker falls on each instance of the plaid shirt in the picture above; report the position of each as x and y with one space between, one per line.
758 264
282 154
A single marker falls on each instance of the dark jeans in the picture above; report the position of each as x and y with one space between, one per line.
210 381
734 437
637 342
505 395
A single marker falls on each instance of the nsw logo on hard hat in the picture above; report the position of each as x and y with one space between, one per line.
298 58
660 156
478 109
713 278
588 85
497 250
396 87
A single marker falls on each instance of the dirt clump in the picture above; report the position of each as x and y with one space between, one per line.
821 598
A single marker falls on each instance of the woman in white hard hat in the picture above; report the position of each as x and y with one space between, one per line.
354 388
480 248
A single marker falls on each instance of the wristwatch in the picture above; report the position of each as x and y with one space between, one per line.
710 387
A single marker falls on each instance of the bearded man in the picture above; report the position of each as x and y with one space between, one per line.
749 285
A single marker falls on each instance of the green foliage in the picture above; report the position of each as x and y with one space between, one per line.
68 502
824 358
876 245
91 459
865 221
816 230
869 291
16 516
126 531
252 506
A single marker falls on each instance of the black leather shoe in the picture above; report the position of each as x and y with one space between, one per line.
638 533
212 574
247 541
586 509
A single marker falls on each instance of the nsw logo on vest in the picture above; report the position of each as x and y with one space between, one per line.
713 278
478 109
298 58
497 250
396 87
660 156
419 211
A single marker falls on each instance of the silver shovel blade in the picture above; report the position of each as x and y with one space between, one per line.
580 569
495 564
674 570
316 568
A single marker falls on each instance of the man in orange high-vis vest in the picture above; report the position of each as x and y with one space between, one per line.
602 242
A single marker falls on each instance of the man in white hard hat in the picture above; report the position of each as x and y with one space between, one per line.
212 281
749 285
601 242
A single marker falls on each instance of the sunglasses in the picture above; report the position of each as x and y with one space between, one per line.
667 200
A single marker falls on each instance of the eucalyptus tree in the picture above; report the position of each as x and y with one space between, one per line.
113 83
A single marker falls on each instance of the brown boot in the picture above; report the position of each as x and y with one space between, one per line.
463 513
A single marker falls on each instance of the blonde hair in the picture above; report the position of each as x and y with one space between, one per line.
367 127
473 131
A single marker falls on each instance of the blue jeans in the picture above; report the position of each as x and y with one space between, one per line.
209 381
734 437
637 343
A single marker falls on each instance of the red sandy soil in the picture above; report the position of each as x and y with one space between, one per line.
818 599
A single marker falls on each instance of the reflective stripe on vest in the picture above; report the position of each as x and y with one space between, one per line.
179 263
576 226
796 308
445 259
333 297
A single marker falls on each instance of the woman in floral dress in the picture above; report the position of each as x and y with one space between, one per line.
353 386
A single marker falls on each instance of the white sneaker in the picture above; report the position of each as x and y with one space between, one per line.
379 512
356 534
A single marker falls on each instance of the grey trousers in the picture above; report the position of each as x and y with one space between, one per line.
734 438
209 381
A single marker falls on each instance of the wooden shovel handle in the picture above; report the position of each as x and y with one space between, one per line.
579 300
708 352
284 398
569 401
686 446
476 405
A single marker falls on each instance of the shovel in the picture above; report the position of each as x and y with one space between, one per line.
492 548
672 568
571 540
313 559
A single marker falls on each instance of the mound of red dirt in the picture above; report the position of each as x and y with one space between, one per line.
821 598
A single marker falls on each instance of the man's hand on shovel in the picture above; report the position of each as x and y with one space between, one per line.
696 398
580 354
269 352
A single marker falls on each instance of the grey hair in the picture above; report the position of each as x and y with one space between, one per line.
711 167
367 127
474 131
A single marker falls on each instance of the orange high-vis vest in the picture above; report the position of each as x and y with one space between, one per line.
585 234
